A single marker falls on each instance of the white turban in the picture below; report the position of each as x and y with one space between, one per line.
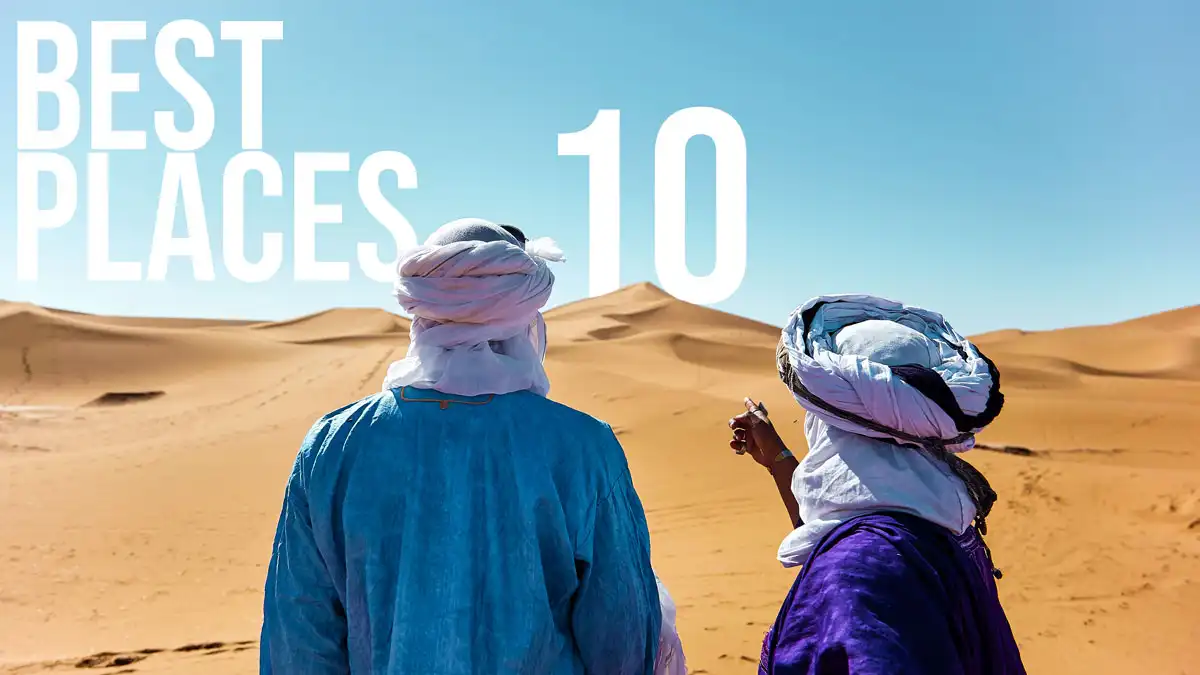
477 326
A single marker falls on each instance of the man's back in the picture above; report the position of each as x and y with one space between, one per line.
428 533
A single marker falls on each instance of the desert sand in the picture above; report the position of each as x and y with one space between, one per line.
135 530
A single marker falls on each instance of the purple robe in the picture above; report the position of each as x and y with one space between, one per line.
892 593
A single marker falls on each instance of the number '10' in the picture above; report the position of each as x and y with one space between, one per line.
601 143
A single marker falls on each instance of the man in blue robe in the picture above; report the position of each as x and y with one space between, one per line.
459 521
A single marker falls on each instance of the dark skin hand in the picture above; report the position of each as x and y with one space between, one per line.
754 435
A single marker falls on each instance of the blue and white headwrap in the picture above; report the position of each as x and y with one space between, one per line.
901 375
937 406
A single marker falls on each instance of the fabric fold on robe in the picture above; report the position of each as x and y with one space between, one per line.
670 659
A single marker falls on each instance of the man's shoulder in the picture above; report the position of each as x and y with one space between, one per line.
534 407
883 549
331 421
354 407
542 409
550 417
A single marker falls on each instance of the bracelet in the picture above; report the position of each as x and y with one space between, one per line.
783 455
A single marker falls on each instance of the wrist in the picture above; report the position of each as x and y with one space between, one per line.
783 460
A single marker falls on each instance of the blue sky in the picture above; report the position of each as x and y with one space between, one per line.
1028 163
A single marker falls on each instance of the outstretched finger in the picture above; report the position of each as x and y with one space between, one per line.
756 410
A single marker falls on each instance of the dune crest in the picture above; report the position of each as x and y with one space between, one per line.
1163 346
644 308
334 325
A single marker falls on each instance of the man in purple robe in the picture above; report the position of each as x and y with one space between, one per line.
895 577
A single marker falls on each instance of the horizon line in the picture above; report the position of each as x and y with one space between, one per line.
549 308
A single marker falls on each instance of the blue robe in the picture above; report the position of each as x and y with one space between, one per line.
427 533
892 594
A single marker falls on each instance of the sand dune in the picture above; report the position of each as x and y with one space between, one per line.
644 308
52 357
142 464
1185 320
335 325
1164 346
142 322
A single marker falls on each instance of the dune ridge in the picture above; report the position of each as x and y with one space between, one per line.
1160 346
142 465
334 325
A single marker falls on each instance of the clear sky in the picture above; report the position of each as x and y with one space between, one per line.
1033 163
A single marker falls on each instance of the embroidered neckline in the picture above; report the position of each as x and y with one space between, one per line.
444 403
